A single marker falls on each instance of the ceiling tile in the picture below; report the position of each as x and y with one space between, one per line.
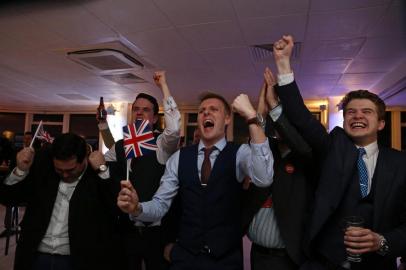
266 8
343 24
393 23
162 41
373 65
324 67
270 29
129 16
384 48
213 35
362 79
331 49
73 23
327 5
184 12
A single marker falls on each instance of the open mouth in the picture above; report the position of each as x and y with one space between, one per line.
358 125
208 123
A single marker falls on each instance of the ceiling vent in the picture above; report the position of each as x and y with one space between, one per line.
263 52
105 60
73 97
124 78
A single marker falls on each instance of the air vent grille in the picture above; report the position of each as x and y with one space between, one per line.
73 97
124 78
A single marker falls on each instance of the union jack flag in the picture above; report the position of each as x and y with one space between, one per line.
44 135
139 139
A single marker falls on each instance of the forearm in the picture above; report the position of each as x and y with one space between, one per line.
106 134
256 161
168 141
301 118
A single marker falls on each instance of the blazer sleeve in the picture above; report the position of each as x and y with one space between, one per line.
300 117
292 137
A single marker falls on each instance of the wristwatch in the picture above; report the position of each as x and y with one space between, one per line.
383 246
102 168
257 120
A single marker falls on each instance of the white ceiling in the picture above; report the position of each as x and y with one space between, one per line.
202 44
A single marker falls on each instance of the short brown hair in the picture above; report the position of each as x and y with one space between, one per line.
365 94
208 95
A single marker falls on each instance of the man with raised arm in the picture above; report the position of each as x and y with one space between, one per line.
358 177
145 241
208 177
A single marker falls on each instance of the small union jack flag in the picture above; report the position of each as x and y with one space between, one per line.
139 139
44 135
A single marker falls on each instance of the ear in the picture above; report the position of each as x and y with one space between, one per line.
381 124
156 117
227 120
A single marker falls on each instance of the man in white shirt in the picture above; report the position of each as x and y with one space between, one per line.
69 221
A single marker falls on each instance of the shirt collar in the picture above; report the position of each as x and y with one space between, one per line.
220 144
370 149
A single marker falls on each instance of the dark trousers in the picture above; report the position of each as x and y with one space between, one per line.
44 261
144 244
267 258
182 259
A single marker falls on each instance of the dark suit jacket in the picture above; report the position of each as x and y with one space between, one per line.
92 216
291 189
339 154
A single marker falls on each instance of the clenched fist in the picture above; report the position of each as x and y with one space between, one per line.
25 158
243 106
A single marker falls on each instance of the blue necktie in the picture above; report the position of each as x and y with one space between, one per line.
363 173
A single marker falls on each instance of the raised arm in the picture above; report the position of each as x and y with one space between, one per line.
286 130
254 160
293 105
169 139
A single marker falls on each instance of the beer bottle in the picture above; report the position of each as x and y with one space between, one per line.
101 111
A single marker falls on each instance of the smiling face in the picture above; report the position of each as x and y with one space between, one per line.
212 120
361 121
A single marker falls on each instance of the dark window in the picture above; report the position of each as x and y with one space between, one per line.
48 117
15 123
385 135
85 125
12 121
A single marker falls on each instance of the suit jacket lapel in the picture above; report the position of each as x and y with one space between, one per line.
384 177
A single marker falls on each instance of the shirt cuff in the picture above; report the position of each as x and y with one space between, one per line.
103 126
276 112
260 149
284 79
170 104
15 176
105 174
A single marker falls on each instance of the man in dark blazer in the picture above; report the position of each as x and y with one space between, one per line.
69 221
276 216
352 183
